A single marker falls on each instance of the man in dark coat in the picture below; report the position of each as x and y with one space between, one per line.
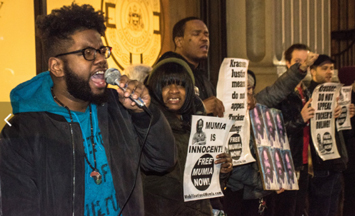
325 186
74 146
191 39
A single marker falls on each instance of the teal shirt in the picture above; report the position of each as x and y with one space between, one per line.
99 199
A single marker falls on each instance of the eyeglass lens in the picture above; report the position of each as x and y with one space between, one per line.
90 53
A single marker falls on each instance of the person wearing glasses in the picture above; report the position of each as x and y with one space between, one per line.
74 146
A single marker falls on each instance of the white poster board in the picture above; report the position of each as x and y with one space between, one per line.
323 122
207 140
232 91
344 121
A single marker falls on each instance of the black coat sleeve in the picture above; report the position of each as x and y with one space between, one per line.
20 195
160 152
272 95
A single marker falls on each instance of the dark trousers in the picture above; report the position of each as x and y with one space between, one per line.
234 205
324 190
293 202
349 194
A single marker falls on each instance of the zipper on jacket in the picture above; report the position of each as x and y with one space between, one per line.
73 145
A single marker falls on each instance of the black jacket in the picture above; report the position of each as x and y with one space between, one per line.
291 110
163 193
338 164
349 136
272 95
42 159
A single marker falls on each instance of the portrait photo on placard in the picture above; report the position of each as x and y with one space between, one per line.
258 126
267 168
270 125
292 183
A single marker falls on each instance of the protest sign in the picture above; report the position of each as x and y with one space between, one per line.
343 121
323 122
273 150
232 91
207 140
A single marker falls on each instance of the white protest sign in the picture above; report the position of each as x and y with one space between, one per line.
323 122
343 121
207 140
232 91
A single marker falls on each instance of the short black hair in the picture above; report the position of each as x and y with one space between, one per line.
179 27
289 51
56 28
167 74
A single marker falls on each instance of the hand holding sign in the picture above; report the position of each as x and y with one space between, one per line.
226 162
352 110
337 110
307 111
214 105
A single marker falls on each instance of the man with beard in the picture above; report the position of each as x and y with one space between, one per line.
74 146
244 185
325 186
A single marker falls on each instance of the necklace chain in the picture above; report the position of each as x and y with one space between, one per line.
91 130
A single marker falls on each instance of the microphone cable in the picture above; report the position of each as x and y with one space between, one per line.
140 156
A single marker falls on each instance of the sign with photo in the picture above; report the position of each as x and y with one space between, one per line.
207 140
323 122
343 121
273 150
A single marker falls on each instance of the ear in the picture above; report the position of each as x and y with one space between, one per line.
288 64
55 66
313 72
178 42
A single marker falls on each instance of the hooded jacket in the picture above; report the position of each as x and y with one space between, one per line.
42 154
206 88
163 193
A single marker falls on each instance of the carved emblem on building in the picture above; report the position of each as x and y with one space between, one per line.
133 30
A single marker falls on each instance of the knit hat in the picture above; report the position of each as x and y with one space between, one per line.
251 78
172 60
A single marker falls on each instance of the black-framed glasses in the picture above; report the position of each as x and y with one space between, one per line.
90 53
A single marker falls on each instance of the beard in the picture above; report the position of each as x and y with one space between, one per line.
80 88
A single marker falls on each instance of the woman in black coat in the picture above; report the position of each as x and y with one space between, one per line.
171 85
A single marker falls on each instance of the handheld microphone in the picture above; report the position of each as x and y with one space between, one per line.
113 76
